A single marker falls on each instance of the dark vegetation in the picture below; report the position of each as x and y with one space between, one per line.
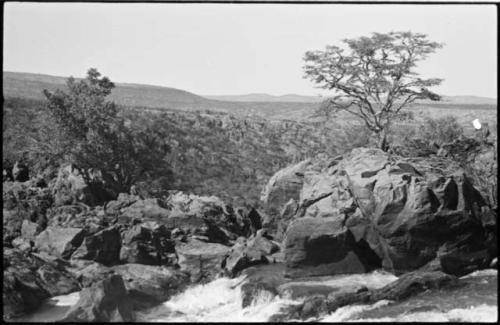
213 152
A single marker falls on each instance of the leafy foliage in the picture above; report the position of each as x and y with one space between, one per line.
425 138
96 138
374 78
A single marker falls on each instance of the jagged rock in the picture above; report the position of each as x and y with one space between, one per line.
22 244
28 280
148 285
147 209
22 201
122 201
29 230
249 220
203 261
324 246
246 253
60 242
143 245
103 247
193 215
105 301
89 272
283 186
405 210
261 278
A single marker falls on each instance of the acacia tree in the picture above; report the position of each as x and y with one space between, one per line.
96 137
373 77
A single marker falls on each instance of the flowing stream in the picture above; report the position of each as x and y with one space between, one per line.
220 300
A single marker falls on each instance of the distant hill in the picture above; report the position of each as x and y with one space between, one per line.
30 86
461 100
286 107
473 100
289 98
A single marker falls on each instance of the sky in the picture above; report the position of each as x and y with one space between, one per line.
228 49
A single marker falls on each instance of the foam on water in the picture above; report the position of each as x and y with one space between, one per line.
219 300
480 273
345 313
65 300
372 280
481 313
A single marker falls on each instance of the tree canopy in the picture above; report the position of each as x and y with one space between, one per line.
97 138
373 77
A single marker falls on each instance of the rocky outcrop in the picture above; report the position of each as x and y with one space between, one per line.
202 260
148 285
248 252
105 301
207 217
103 247
406 212
59 242
283 186
151 246
260 278
324 246
29 279
23 201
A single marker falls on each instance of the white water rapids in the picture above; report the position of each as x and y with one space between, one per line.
220 300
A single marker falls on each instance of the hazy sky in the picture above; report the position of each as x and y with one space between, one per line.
238 48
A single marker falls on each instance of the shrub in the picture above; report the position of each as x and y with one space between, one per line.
95 136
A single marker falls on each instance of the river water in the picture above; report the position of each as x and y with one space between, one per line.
220 300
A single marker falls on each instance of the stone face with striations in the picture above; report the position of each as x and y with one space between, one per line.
103 247
58 241
406 212
323 246
105 301
203 261
29 279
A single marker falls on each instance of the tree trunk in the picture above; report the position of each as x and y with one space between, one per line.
382 140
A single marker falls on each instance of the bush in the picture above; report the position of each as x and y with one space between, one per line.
95 136
426 139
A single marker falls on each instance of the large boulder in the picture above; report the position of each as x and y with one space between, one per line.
59 242
408 211
29 279
78 216
203 261
324 246
283 186
103 247
148 285
105 301
144 245
248 252
203 216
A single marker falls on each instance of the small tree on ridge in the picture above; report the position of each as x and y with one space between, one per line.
374 77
